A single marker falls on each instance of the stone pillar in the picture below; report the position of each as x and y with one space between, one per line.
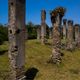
56 17
26 34
64 29
61 32
79 39
76 33
16 33
50 33
43 27
39 33
64 32
70 35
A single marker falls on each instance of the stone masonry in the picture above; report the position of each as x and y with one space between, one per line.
76 33
56 17
50 33
70 39
39 33
16 31
64 29
43 27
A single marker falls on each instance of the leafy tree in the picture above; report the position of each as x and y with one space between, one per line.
32 34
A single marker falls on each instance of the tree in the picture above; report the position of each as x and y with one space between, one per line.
32 33
3 34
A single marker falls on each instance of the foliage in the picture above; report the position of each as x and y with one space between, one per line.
3 34
32 30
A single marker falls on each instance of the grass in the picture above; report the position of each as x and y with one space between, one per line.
37 56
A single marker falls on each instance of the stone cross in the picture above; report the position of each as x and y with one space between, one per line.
56 17
70 35
16 33
43 27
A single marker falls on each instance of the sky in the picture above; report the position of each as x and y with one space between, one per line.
34 7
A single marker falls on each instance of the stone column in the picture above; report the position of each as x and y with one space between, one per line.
64 29
39 33
50 33
56 17
43 27
76 33
79 39
61 32
16 33
26 34
70 35
64 32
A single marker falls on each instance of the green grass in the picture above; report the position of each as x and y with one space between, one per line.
37 56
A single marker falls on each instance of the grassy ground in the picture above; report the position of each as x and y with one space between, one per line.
36 58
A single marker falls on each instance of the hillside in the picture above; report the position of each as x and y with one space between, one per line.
36 65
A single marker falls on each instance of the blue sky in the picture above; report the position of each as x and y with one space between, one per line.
34 7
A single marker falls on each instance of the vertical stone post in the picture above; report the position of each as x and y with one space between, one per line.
76 33
16 33
26 34
39 33
56 17
50 33
70 35
79 38
43 27
64 29
61 32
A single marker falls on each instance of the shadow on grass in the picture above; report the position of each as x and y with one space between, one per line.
3 52
31 73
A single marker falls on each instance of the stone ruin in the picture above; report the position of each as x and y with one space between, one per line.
76 32
56 18
64 29
70 40
38 32
78 41
26 34
50 33
43 27
16 31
